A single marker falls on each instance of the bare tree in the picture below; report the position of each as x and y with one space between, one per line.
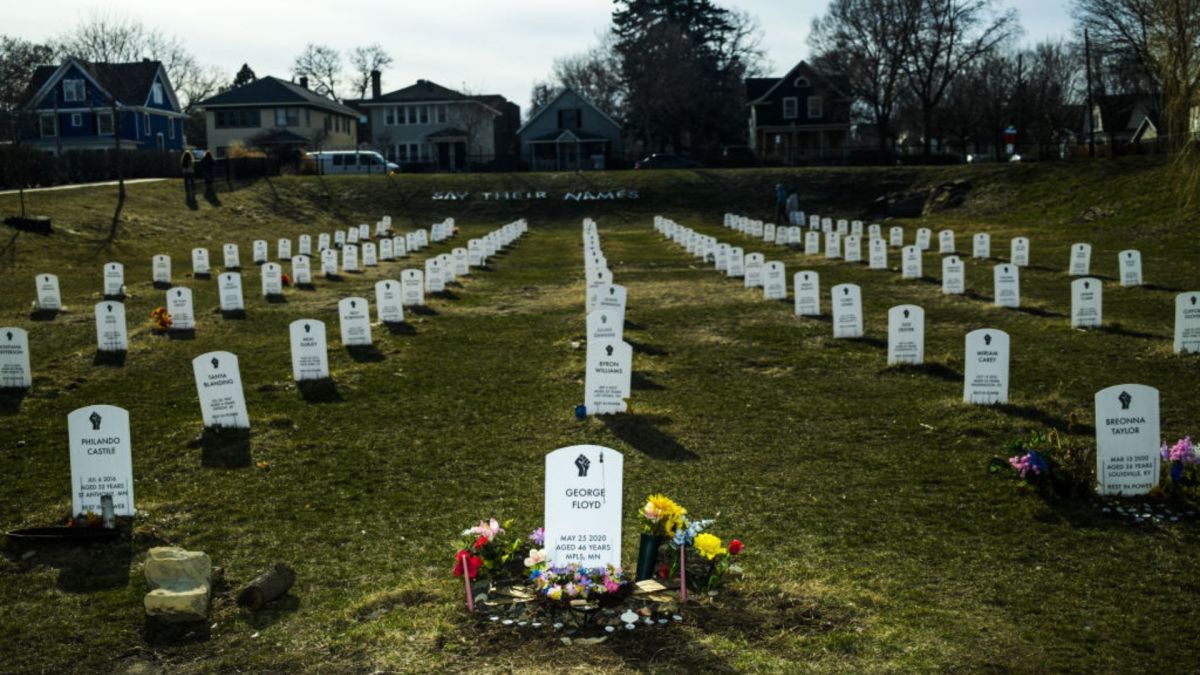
366 60
322 66
595 74
18 60
863 41
949 36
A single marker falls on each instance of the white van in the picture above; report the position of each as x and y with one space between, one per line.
336 162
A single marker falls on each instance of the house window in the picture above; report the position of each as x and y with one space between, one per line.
156 93
791 108
104 123
441 114
339 160
815 108
76 120
570 118
73 91
424 110
801 82
49 124
389 115
328 124
413 152
307 117
146 122
287 117
238 118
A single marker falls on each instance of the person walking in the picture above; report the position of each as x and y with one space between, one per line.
187 165
208 169
780 204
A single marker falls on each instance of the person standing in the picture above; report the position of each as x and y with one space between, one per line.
208 168
187 165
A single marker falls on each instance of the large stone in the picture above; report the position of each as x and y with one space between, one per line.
180 584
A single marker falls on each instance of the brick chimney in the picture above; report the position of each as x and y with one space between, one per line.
304 81
376 89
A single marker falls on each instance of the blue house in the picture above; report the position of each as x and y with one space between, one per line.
70 107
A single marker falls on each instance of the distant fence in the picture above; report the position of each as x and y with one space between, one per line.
30 167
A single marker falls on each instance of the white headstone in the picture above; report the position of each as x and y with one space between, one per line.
339 238
613 297
461 261
1019 253
1087 303
101 459
986 377
768 232
774 281
1187 323
910 259
301 270
272 279
386 249
583 506
846 301
1130 264
923 238
400 246
111 333
322 241
609 376
161 268
179 306
954 278
219 386
364 231
435 275
355 317
329 262
350 257
946 241
351 237
896 236
856 228
807 285
283 249
874 231
605 325
1081 260
852 249
230 285
200 265
812 243
114 279
370 255
1127 438
754 270
305 246
259 251
833 245
906 335
310 355
736 262
413 288
389 303
878 254
982 245
15 372
1006 282
843 226
231 257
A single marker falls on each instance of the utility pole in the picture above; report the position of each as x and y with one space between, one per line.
1087 55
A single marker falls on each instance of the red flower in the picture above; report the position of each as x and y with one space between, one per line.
474 562
735 547
664 572
480 543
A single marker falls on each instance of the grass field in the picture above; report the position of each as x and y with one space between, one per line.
876 539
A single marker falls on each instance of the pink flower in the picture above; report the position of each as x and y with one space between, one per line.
610 585
487 528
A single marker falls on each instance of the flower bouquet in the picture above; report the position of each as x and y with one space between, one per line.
1045 463
661 519
160 320
1183 461
483 552
712 560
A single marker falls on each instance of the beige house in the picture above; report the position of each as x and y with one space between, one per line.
275 114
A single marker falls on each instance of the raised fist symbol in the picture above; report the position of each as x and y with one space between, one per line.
582 463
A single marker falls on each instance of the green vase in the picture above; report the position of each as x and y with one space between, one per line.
647 556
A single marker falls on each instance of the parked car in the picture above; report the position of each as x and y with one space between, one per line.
657 161
334 162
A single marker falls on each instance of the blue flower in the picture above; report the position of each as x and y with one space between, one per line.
580 412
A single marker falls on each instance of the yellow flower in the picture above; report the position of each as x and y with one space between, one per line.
709 545
661 509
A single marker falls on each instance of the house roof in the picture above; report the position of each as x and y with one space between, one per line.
565 90
1117 111
423 90
269 90
128 83
761 88
756 87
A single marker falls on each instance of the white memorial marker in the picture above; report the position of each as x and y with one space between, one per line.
583 506
111 333
272 279
910 262
301 270
846 301
348 237
808 293
754 270
1019 252
114 280
986 378
101 459
386 249
736 262
230 287
435 279
954 278
843 226
389 305
852 249
329 263
15 372
310 356
923 237
1087 303
1081 260
283 249
259 251
355 318
305 246
461 262
1127 438
1130 264
413 288
179 306
833 245
323 242
400 246
774 281
1006 285
1187 323
609 376
200 265
812 243
878 254
605 325
219 387
350 257
982 246
231 257
370 255
896 236
161 266
946 241
906 335
613 297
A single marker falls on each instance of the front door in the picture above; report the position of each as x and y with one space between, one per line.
443 151
460 155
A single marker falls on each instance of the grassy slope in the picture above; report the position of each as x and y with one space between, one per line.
876 540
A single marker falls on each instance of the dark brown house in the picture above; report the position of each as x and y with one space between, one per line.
801 117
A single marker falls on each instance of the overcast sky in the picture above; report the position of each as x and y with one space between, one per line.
488 46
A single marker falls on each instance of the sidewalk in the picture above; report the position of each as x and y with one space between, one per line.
74 186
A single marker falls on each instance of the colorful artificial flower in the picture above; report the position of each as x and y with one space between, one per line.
536 557
1031 463
663 516
486 528
709 545
473 563
538 536
1182 451
481 542
735 546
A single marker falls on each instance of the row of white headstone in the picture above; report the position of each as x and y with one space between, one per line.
608 379
100 449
